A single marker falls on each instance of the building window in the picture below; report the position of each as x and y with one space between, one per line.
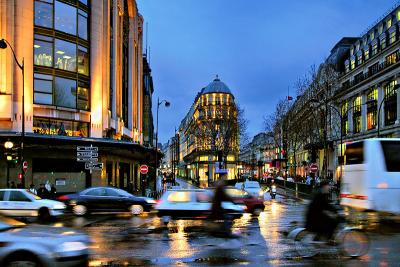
372 35
372 98
82 24
389 23
391 59
374 49
65 18
366 52
65 92
49 126
392 36
44 13
347 66
43 51
357 114
83 60
373 69
65 55
359 58
383 42
390 105
352 63
345 118
42 89
359 77
380 28
83 97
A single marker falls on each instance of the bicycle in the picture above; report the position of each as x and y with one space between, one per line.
349 241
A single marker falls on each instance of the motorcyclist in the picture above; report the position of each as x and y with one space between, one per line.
322 217
218 213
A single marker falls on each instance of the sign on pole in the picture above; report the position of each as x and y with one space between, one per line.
25 166
89 155
144 169
313 168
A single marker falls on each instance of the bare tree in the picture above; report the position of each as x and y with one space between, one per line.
242 125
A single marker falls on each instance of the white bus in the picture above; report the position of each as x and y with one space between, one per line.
371 175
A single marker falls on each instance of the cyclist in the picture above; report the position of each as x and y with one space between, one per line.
322 217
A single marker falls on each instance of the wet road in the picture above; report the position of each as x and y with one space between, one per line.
122 240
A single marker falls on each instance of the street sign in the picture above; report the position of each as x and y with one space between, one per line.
86 154
25 166
93 166
87 148
144 169
313 167
87 159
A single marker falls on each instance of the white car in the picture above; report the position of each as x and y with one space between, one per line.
40 245
191 204
253 188
22 203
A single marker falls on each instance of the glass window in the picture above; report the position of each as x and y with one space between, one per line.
43 14
383 43
372 35
366 52
83 61
352 63
374 48
390 106
43 52
82 25
389 23
392 37
392 156
2 195
83 2
43 89
65 93
18 196
112 192
65 55
380 28
391 59
96 192
65 18
359 58
355 153
83 98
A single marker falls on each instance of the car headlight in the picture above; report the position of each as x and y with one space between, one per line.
59 206
151 201
72 246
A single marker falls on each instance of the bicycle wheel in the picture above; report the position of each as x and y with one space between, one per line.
354 243
305 244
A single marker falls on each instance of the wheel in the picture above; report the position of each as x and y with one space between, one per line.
79 210
257 211
22 259
354 243
305 244
44 215
136 209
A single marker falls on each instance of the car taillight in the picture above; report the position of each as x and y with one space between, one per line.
63 198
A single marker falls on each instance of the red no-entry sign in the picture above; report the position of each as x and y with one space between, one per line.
25 166
144 169
313 167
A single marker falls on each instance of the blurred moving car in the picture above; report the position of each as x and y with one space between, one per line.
192 204
253 204
40 245
22 203
253 188
106 199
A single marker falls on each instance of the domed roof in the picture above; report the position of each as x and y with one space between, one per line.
216 86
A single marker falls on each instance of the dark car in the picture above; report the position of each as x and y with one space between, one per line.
106 199
253 204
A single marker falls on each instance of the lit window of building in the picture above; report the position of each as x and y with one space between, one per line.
366 52
374 49
383 41
357 114
359 58
345 120
391 59
347 66
372 98
389 23
392 35
372 35
390 105
352 63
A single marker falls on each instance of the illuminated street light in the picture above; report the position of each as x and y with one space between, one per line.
8 145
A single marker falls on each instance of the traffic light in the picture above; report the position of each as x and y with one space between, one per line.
20 176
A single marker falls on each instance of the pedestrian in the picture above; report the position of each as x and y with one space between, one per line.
13 185
53 192
42 191
48 186
32 189
19 186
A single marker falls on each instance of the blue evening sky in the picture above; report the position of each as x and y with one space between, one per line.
259 48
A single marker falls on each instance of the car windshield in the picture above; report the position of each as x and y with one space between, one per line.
33 195
252 185
123 193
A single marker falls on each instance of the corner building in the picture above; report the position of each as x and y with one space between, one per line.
83 86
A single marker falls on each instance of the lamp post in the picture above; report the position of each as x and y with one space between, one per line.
379 110
167 104
3 45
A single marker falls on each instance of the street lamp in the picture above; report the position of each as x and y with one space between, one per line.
3 45
166 104
8 145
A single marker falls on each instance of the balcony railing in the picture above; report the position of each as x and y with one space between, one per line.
371 72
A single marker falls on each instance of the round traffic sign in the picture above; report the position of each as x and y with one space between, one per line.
313 167
144 169
25 166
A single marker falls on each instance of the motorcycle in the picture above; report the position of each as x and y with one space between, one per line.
272 191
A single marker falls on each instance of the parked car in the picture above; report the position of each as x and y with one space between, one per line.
40 245
253 188
191 204
106 199
239 185
253 204
22 203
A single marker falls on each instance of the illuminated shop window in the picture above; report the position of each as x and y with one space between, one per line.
391 59
372 98
43 51
49 126
390 105
65 55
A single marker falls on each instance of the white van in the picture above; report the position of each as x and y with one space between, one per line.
371 175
